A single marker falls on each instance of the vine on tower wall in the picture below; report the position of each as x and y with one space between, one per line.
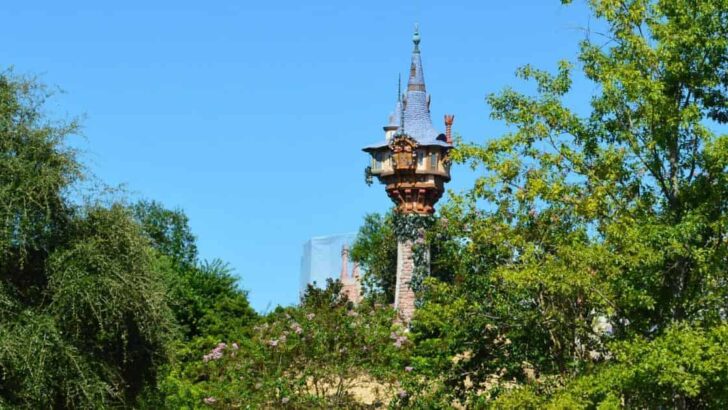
412 227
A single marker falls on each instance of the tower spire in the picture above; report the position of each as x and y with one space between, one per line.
416 103
416 38
416 80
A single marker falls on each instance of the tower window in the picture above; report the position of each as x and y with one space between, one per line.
433 161
420 159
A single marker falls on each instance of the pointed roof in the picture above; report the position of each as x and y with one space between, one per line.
417 121
414 110
394 116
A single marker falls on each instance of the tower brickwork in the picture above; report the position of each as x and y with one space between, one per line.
404 297
351 285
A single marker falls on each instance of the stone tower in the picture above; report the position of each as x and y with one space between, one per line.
413 163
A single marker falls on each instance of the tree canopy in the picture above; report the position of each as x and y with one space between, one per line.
84 317
95 300
603 239
587 266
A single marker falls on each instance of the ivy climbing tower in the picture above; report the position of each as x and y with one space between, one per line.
413 163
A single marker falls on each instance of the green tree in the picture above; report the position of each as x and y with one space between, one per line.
83 315
168 230
36 168
204 296
603 232
375 249
108 299
207 303
683 366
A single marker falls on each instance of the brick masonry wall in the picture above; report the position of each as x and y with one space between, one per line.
404 298
351 290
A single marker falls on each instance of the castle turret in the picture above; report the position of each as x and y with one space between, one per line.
414 165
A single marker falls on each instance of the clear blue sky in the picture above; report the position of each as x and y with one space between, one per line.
250 115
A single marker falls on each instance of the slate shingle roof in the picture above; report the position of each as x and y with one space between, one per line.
394 117
417 121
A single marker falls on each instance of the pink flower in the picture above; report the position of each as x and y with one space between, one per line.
399 341
402 394
296 328
310 316
215 353
352 313
285 400
273 342
209 400
235 346
408 369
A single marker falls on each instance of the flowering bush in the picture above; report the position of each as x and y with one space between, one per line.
324 353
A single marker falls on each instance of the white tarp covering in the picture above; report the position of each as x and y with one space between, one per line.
321 259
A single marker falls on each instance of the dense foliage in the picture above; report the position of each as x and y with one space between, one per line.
84 321
596 274
94 299
375 249
325 353
204 296
586 268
